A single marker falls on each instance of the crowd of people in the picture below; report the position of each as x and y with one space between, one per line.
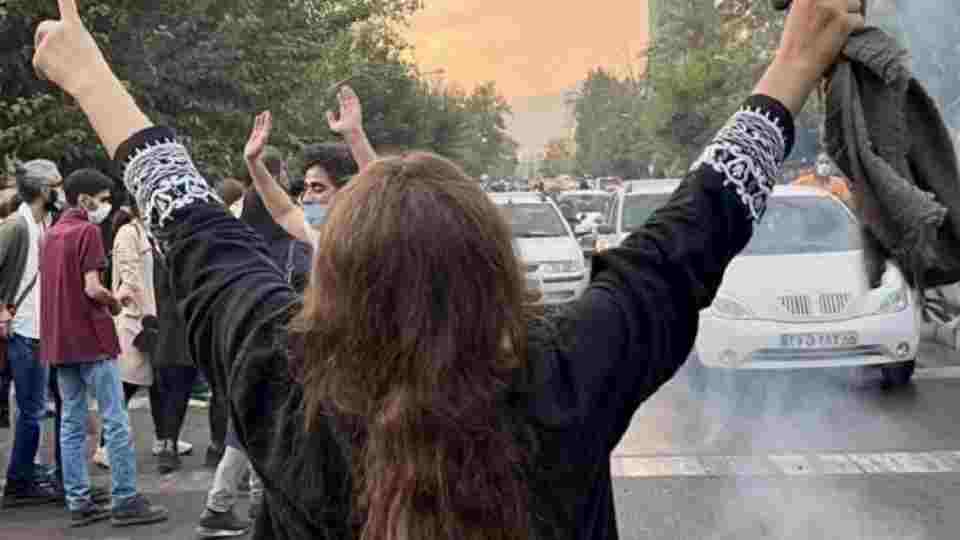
135 320
379 367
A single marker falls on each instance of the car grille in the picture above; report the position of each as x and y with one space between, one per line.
797 305
832 304
825 305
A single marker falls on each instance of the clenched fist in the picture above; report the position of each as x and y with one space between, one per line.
817 30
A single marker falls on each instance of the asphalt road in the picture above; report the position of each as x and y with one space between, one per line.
797 455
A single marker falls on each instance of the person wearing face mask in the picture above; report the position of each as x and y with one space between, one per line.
80 339
822 177
328 167
37 183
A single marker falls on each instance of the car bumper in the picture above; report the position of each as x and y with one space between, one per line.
757 345
562 289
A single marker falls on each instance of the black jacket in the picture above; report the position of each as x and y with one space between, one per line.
591 367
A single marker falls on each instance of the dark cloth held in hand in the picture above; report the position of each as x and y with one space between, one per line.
887 135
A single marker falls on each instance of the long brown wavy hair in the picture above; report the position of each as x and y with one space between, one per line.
414 323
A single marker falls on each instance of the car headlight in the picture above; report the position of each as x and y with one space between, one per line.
730 309
562 267
894 301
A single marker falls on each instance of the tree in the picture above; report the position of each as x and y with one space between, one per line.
559 158
201 66
705 59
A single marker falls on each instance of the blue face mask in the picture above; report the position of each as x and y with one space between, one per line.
315 214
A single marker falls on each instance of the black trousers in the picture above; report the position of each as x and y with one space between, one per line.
169 398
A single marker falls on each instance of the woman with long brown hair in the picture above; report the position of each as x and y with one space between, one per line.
414 394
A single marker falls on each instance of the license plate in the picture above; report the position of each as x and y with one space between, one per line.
819 341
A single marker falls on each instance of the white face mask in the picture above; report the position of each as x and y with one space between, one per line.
823 170
100 214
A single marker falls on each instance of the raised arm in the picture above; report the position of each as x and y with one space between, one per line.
637 322
349 124
278 203
224 282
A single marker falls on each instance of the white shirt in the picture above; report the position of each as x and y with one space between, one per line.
27 321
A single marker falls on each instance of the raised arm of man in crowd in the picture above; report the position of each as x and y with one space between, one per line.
349 124
278 203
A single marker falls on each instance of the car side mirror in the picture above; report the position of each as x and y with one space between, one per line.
605 229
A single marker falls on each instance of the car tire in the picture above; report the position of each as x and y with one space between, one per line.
898 375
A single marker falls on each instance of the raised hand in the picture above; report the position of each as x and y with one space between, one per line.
259 137
66 54
350 119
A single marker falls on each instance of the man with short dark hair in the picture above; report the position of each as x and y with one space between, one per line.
327 168
37 184
76 314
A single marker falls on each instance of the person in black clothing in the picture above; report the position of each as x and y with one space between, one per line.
413 392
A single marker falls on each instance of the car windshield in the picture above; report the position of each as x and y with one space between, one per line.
592 202
533 220
798 225
638 208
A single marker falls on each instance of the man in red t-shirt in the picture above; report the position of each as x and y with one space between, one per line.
79 337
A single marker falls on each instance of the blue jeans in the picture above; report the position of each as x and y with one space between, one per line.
30 382
104 378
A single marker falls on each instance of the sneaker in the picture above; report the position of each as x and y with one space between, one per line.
168 460
214 455
28 495
137 510
221 524
101 459
87 514
183 448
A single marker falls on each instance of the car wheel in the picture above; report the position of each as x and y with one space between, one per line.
897 375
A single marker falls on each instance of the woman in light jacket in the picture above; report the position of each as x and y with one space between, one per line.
132 278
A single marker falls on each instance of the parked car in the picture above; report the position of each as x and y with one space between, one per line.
797 297
592 207
631 209
546 245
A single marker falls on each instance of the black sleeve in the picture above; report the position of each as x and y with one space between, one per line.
637 322
230 292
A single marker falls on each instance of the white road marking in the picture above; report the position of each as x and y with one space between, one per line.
832 464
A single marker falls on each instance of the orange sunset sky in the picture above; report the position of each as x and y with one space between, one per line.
534 49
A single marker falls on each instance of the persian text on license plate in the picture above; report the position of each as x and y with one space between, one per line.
819 341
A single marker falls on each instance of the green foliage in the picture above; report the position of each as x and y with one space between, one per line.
704 62
206 66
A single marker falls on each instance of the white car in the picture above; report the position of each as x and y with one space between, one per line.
632 208
797 297
546 244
